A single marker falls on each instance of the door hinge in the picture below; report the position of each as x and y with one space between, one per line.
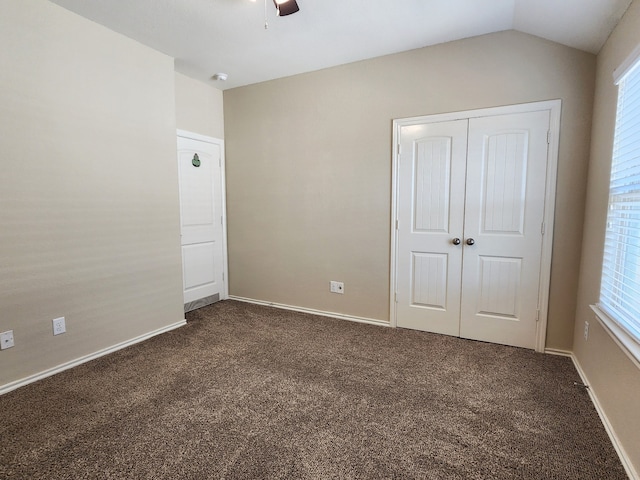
548 137
537 315
223 276
395 297
220 220
396 224
220 162
399 149
542 229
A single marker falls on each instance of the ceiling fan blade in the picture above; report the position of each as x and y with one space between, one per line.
287 7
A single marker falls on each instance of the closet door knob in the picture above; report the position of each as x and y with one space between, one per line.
470 241
456 241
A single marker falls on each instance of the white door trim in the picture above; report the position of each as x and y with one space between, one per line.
220 143
554 108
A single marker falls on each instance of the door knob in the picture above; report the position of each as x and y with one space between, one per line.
470 241
456 241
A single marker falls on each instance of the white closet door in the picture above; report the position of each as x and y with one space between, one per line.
201 216
504 212
481 180
430 216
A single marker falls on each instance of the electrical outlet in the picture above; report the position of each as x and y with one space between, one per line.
59 326
6 339
337 287
586 330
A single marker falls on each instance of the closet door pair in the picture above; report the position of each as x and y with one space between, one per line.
471 201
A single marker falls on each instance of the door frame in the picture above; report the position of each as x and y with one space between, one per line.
554 107
223 193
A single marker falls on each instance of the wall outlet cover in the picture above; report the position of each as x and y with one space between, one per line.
59 326
586 330
6 339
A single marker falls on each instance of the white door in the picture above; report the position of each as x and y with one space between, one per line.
504 212
431 183
469 239
201 220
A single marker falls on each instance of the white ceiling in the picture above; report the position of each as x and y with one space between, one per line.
210 36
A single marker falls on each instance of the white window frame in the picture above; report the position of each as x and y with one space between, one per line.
614 324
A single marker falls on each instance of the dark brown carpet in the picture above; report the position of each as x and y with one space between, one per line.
245 391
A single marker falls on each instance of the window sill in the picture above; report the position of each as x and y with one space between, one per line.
626 342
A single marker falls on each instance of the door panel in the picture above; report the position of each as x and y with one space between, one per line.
499 286
200 176
199 265
431 184
504 170
198 187
432 173
429 280
504 211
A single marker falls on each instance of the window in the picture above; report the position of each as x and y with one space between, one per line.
620 287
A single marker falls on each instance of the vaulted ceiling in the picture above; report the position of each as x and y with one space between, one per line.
210 36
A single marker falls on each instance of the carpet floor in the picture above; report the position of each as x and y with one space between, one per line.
251 392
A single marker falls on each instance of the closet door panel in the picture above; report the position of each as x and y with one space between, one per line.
504 211
431 210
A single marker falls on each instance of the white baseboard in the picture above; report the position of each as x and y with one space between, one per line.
626 463
557 351
622 454
312 311
87 358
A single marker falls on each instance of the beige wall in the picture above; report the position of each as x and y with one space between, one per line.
309 166
612 376
88 189
198 107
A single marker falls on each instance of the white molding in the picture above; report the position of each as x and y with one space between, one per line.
626 463
197 136
481 112
558 352
223 192
626 66
554 108
622 454
87 358
312 311
393 280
